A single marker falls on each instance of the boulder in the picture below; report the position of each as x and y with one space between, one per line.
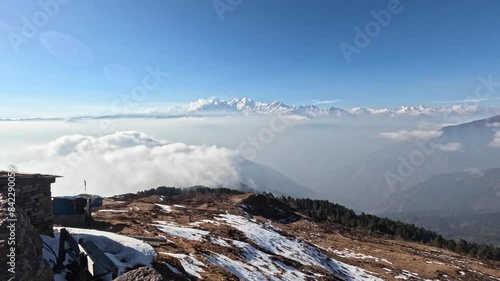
142 274
29 262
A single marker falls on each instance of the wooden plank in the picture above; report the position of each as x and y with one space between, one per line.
72 242
82 261
61 255
73 251
98 263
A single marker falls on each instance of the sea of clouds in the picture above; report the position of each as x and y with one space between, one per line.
138 154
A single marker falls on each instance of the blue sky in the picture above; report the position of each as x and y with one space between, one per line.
284 50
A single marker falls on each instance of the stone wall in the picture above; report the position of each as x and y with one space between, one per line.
28 260
33 196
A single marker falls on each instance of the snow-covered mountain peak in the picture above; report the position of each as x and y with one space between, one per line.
250 106
203 104
247 105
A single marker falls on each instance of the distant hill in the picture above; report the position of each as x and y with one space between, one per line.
260 177
364 185
459 205
465 192
474 227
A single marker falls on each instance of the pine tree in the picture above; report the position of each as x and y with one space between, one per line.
462 246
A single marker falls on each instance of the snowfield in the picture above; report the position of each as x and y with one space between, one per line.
256 264
253 263
191 265
125 252
296 249
346 253
180 231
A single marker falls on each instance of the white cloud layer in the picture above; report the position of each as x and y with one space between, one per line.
493 125
452 146
130 161
469 100
496 140
325 101
415 135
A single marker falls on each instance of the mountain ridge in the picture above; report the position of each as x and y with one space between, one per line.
369 175
223 234
472 191
247 106
461 205
250 106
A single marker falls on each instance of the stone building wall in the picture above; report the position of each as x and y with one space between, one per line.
33 196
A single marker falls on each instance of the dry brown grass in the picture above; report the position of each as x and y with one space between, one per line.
394 255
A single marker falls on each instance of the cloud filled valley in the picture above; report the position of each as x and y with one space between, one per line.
331 157
129 161
177 152
365 164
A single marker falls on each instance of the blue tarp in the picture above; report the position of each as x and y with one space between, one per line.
63 206
96 202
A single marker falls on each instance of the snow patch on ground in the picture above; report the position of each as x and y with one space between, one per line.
217 240
387 269
252 264
480 273
125 252
112 211
198 223
180 231
173 269
434 262
295 249
191 265
165 208
239 269
266 264
407 275
169 208
350 254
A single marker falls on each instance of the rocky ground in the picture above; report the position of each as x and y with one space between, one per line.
221 237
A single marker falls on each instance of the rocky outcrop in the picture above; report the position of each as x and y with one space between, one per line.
270 208
142 274
28 260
